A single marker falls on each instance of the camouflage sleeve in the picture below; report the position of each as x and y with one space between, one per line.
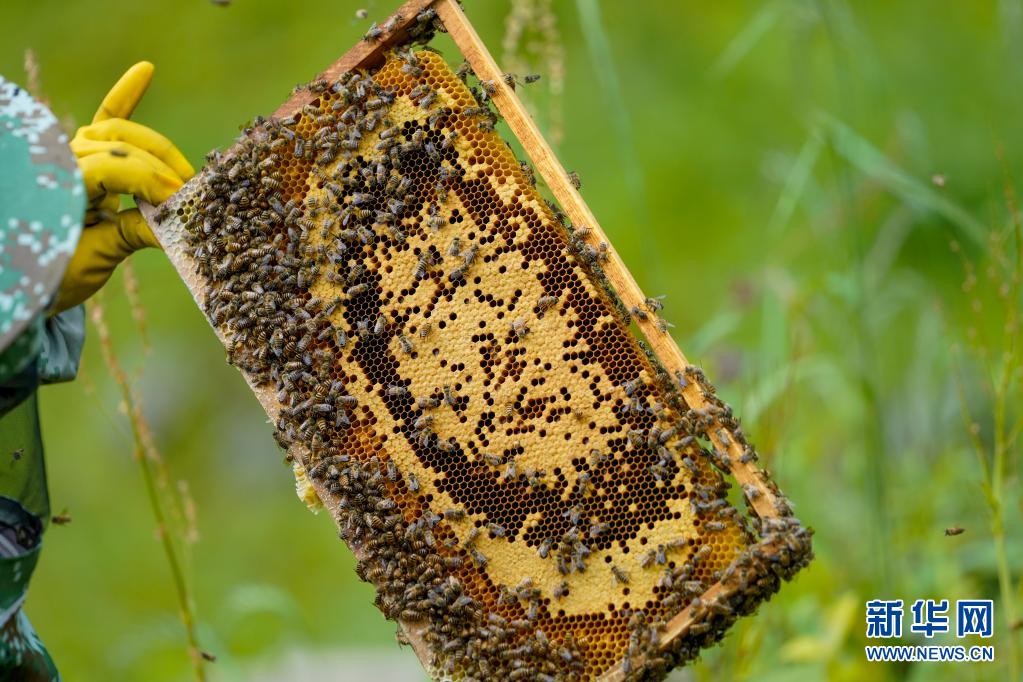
62 341
56 344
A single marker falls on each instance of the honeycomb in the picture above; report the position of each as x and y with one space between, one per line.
522 483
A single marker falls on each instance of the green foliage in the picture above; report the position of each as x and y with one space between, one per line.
804 167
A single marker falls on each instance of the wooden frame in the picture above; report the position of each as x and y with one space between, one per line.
368 53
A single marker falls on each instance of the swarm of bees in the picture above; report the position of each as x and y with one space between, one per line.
351 252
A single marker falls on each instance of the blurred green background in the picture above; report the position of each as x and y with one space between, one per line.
795 175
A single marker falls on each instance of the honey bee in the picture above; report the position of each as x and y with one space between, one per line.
546 303
463 71
405 344
428 402
702 554
478 557
61 519
373 33
449 397
950 532
395 391
428 99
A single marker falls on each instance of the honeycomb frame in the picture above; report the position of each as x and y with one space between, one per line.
653 419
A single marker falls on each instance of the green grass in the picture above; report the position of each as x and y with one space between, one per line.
767 166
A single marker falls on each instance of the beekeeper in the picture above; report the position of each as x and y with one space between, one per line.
62 233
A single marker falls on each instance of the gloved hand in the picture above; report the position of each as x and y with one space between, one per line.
118 156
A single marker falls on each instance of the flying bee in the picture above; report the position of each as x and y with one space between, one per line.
950 532
61 519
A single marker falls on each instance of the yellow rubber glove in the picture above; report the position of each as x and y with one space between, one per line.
118 156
